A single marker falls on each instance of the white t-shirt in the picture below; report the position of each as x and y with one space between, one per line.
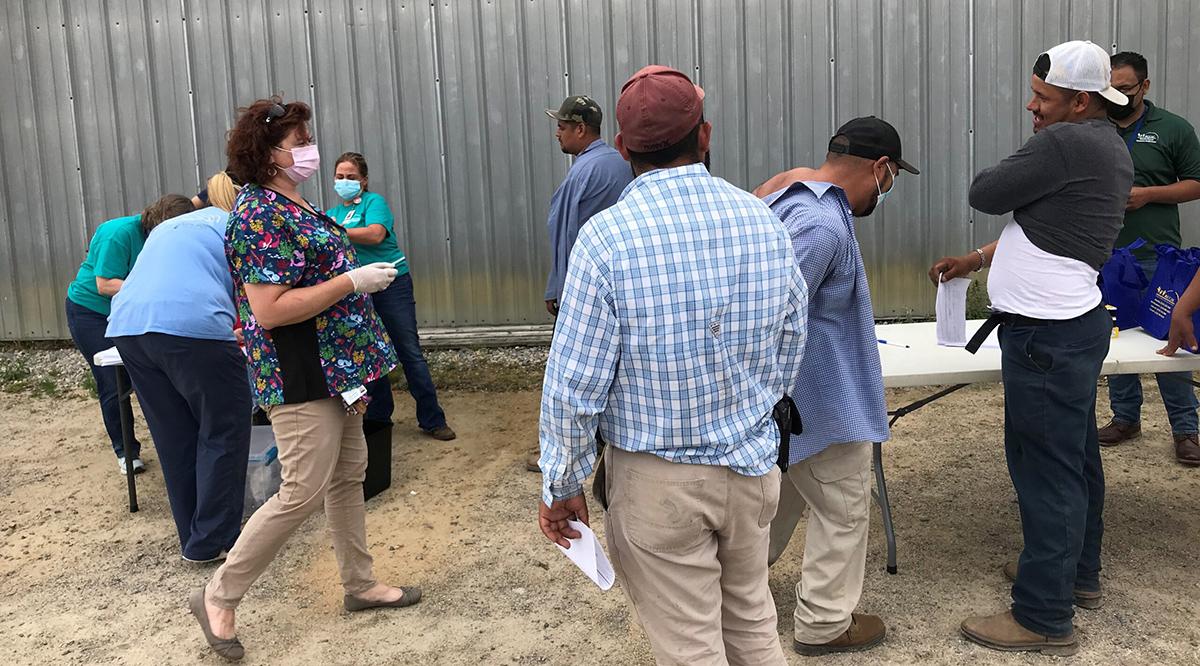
1029 281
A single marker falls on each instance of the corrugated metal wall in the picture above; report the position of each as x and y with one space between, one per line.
109 103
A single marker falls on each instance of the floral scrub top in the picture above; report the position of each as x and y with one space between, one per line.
271 240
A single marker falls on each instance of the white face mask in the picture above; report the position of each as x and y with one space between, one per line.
306 161
878 188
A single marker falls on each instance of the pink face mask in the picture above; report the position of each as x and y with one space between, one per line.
306 162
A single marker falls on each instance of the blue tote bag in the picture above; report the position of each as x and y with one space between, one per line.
1122 281
1174 273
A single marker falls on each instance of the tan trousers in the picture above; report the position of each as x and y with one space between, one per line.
835 484
689 545
323 455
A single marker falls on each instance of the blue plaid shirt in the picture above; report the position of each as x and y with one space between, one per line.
839 391
681 324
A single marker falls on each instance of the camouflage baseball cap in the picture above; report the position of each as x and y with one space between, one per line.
577 109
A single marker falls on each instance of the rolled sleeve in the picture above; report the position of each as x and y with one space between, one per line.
579 374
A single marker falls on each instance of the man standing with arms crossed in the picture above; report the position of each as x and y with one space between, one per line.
1067 188
1166 168
682 325
839 392
594 182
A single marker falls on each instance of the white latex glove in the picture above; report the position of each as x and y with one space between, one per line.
372 277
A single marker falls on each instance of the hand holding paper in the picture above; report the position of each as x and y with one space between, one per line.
588 555
951 308
556 519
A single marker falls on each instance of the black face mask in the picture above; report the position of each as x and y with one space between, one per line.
1119 111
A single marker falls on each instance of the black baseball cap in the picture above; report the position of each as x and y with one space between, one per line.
871 138
577 109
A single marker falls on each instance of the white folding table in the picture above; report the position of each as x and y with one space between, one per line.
912 357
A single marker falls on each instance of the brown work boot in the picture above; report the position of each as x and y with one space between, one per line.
443 433
1083 598
1187 451
1001 632
1116 432
865 631
531 461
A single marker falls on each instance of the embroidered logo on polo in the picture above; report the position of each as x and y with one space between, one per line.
1147 137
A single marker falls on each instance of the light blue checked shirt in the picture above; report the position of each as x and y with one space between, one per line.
839 392
681 324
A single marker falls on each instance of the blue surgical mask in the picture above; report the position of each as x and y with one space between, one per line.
882 194
347 189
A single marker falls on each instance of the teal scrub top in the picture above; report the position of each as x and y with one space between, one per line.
364 210
111 254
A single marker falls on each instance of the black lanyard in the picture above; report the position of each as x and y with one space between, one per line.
1138 128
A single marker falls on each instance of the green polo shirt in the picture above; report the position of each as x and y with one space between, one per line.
367 209
1165 152
114 248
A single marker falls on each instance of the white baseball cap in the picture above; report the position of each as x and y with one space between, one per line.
1079 65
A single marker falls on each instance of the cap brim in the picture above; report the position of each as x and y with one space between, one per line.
555 115
907 167
1110 93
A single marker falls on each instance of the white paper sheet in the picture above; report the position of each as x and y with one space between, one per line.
107 357
951 308
587 554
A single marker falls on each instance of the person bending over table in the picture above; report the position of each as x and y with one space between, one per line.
114 249
176 340
1067 188
314 341
368 222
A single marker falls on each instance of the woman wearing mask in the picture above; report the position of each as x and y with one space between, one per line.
176 339
114 248
314 341
368 222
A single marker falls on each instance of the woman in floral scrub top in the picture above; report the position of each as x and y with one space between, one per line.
314 341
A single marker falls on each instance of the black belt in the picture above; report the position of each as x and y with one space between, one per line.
1010 319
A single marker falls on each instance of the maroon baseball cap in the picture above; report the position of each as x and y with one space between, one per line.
658 107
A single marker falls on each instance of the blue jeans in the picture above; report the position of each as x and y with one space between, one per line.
197 403
398 311
1053 452
87 330
1125 392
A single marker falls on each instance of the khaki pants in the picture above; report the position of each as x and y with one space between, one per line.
689 545
836 486
323 454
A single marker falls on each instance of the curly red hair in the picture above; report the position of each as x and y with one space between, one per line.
251 140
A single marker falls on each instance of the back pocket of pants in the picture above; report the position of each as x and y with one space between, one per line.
661 515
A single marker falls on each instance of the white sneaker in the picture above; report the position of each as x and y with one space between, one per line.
138 465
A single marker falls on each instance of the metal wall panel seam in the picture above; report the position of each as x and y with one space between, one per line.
35 132
152 117
116 126
187 61
564 36
831 31
312 88
696 40
971 114
1115 19
82 226
435 44
17 321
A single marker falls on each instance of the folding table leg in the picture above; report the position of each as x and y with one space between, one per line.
124 391
882 498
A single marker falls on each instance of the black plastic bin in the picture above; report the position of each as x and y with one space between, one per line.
379 457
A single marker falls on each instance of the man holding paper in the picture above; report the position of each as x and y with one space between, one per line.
839 391
680 326
1066 188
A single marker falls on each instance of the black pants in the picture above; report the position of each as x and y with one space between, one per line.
1053 452
87 330
197 403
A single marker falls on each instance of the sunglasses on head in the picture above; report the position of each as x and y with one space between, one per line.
276 111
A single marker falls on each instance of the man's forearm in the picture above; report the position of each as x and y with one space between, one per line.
1175 193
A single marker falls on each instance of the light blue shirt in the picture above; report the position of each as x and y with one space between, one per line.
180 284
839 392
594 183
682 323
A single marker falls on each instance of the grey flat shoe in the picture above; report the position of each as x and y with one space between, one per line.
411 596
229 649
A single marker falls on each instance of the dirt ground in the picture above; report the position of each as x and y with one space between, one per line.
83 581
